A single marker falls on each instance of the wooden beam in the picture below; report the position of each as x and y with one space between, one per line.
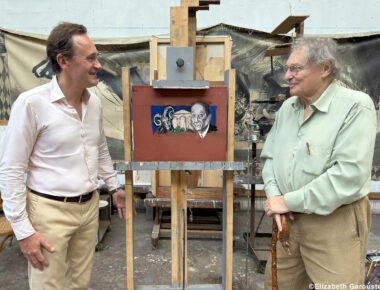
179 26
153 59
229 229
278 50
231 115
300 28
175 228
187 3
209 234
230 179
179 228
227 53
191 203
212 193
288 24
374 195
128 176
192 33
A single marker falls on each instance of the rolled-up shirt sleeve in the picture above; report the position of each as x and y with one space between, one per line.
19 139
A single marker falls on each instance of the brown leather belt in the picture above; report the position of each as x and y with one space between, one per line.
79 199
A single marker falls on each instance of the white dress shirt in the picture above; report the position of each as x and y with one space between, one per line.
62 154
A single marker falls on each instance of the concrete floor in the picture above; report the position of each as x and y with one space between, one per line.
153 266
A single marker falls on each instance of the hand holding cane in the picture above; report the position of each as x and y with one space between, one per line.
284 239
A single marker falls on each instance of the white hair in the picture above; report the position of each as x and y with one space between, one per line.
319 50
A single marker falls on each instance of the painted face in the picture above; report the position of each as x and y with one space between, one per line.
304 79
84 65
199 119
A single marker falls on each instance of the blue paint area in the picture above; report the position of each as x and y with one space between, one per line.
159 109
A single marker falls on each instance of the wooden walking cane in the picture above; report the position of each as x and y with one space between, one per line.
284 239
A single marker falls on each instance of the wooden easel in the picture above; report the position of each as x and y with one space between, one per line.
183 34
209 193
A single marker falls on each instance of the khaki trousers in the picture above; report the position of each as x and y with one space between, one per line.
71 228
326 250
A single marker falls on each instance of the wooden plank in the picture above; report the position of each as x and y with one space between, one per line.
3 122
201 40
278 50
128 177
126 114
209 219
214 227
195 193
229 229
155 178
161 55
213 178
288 24
179 23
200 61
175 227
191 203
179 228
231 115
192 33
183 220
153 58
214 69
374 195
227 53
230 179
196 234
189 3
194 178
164 178
213 193
300 28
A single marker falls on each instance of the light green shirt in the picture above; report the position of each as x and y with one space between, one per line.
325 161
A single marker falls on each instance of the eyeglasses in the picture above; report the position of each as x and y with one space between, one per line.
294 69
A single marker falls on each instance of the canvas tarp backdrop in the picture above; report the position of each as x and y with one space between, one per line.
23 65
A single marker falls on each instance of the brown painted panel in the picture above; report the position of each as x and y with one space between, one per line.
151 145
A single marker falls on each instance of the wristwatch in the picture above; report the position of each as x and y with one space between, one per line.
115 190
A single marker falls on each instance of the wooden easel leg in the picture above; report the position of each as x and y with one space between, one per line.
128 176
129 228
227 229
179 228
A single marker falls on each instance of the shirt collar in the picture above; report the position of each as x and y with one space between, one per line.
322 103
57 93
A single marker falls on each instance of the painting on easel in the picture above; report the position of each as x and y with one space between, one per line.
179 125
200 117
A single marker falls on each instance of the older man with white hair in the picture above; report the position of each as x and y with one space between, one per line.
317 170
